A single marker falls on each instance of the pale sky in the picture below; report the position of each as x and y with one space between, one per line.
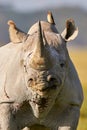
24 5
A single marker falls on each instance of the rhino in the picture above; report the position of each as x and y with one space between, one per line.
39 86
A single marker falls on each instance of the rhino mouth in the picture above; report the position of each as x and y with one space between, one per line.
44 86
42 95
40 102
41 105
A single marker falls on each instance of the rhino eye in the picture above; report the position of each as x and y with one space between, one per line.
62 64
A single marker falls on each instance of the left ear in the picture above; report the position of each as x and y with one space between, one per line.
16 35
70 32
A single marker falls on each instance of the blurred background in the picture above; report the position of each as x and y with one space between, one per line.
25 13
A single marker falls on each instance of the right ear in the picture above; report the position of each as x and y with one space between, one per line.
16 35
70 32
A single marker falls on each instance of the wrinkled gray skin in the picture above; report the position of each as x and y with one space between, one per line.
39 86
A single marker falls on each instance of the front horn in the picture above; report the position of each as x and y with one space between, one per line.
41 57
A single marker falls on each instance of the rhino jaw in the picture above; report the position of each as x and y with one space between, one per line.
43 89
41 106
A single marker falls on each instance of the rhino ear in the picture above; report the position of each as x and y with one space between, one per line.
16 35
70 32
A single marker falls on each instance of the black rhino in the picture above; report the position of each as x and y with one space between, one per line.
39 85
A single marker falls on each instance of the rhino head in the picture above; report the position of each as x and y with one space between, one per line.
45 62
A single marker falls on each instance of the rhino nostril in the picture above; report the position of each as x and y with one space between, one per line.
30 80
50 78
53 81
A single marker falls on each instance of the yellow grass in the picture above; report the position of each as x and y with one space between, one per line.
79 58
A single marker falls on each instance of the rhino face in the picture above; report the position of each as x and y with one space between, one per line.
45 69
45 62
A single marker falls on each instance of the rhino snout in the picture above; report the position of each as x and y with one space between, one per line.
44 84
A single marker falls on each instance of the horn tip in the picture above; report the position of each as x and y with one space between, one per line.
39 22
39 26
